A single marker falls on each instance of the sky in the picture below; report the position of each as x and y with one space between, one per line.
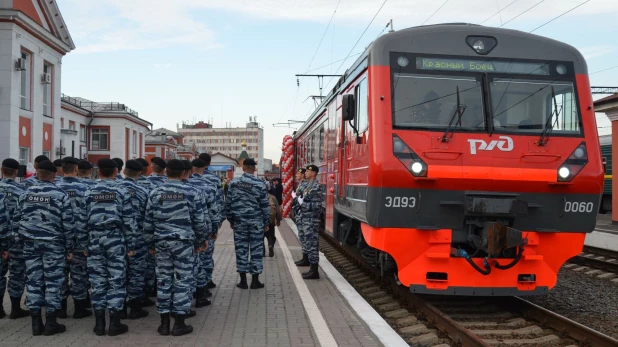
223 61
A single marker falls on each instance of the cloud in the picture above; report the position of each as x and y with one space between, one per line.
119 25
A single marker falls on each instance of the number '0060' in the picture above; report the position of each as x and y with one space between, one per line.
400 201
580 207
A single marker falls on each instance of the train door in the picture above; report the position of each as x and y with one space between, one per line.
341 154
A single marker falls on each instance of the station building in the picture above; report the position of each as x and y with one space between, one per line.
33 40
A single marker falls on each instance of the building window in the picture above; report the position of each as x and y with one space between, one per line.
99 140
24 155
134 142
46 92
71 125
82 131
25 83
46 153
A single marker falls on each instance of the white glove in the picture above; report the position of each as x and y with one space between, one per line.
300 200
293 195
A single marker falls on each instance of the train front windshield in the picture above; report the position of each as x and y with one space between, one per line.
512 96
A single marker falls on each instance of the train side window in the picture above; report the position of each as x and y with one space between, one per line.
321 148
362 111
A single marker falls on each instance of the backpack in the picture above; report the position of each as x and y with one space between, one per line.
273 213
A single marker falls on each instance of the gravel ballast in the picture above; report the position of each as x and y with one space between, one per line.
588 300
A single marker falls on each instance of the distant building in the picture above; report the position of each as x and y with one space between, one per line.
167 144
97 130
222 165
227 141
34 40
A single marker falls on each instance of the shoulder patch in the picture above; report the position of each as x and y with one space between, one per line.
245 186
104 197
173 197
38 199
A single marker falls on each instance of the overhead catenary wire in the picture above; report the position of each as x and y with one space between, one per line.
499 12
519 15
609 68
436 11
553 19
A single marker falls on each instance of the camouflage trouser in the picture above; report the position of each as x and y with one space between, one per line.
79 276
150 279
137 269
196 272
174 275
107 266
45 261
302 238
249 244
17 270
311 228
208 260
4 268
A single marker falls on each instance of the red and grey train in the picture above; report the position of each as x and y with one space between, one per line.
465 158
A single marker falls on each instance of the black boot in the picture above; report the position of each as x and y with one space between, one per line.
164 328
146 302
37 323
304 261
201 300
208 293
313 273
271 246
151 292
51 326
192 313
243 281
180 328
87 303
62 312
80 309
255 282
16 310
122 313
136 309
99 326
210 285
115 327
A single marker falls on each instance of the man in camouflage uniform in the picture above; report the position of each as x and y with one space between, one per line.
298 193
215 182
150 286
119 165
137 263
16 265
77 268
44 223
34 179
84 172
186 173
111 230
59 173
5 235
157 177
210 216
311 210
248 211
174 226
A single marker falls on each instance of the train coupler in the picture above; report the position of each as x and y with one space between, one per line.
499 237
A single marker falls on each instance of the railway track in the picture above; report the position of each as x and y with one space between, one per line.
458 321
597 258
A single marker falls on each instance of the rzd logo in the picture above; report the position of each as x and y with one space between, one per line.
505 145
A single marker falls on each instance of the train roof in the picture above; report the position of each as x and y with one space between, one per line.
450 39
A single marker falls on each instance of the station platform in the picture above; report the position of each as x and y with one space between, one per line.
288 311
605 234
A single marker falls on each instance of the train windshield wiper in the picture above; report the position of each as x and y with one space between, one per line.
459 112
549 125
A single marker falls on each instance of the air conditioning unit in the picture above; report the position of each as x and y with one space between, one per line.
20 64
46 78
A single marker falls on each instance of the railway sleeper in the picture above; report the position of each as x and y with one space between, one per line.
548 340
429 339
468 309
534 330
511 323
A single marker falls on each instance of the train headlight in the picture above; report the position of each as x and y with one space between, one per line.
564 172
482 44
403 61
416 167
574 163
408 158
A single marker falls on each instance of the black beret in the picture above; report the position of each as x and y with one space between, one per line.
143 162
84 165
159 162
119 162
10 163
301 170
205 157
58 162
187 164
175 165
106 164
249 162
198 163
40 158
70 160
47 165
313 168
134 165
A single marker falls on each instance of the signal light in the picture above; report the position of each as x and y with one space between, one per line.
482 44
574 163
408 158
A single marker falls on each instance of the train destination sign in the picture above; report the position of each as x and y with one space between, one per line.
443 64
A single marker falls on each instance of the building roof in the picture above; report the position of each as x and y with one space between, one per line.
160 131
243 155
606 100
223 155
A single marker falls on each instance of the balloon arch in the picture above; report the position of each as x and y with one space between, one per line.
287 176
